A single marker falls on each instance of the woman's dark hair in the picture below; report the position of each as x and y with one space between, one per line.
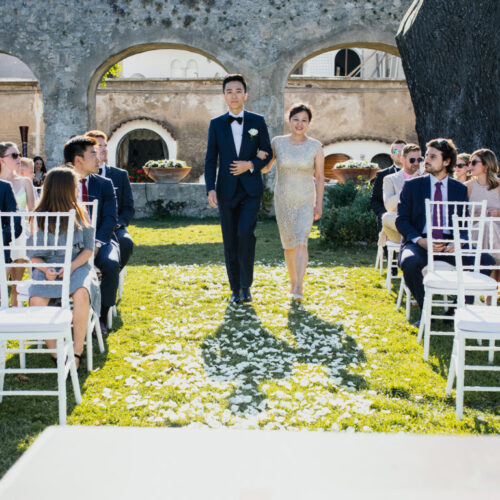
234 78
489 160
297 108
448 150
44 168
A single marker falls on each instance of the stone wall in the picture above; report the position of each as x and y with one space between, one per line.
76 42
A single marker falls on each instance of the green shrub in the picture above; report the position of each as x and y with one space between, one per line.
348 217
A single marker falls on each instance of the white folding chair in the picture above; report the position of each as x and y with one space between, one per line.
93 323
472 322
379 260
392 263
444 282
41 323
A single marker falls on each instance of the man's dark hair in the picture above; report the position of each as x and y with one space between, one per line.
448 150
234 78
76 146
398 141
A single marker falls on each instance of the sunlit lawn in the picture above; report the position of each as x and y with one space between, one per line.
179 355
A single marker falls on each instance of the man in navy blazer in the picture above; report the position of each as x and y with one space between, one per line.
234 181
8 204
81 153
440 160
123 191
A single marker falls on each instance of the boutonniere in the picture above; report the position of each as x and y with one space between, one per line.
253 132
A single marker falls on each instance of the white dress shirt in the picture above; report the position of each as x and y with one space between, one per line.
444 196
237 130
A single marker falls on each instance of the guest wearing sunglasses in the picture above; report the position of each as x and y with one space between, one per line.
393 185
462 172
485 185
10 163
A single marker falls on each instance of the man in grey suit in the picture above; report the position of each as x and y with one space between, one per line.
393 185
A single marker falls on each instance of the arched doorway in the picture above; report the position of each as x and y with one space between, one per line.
137 141
383 160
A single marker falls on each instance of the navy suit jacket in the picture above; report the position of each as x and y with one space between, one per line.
101 189
123 192
410 221
221 152
8 204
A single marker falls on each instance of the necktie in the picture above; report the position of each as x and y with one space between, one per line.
101 171
238 119
437 214
85 193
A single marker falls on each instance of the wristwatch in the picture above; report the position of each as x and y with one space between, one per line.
98 244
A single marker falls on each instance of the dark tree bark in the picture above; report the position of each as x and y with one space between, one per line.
450 52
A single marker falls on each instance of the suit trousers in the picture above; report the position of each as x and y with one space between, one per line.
238 217
413 258
108 262
126 245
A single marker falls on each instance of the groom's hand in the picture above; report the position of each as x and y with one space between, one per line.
212 198
240 167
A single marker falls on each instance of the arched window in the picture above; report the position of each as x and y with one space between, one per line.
192 69
176 69
346 61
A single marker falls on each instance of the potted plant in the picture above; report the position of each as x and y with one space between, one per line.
354 170
166 171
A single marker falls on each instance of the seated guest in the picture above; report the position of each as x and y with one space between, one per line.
393 184
440 160
40 171
8 204
80 152
462 173
485 185
377 197
10 162
59 195
123 191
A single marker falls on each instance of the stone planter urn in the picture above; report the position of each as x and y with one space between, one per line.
351 170
166 171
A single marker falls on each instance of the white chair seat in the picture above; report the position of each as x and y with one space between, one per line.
439 265
34 319
444 279
484 319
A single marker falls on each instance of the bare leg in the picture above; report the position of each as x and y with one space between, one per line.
290 265
16 274
43 301
81 311
301 258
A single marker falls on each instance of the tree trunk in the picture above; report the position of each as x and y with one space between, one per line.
450 53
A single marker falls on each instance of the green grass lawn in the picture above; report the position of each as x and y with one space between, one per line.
180 355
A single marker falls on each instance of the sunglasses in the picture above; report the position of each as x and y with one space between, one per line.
461 165
413 160
396 151
13 155
475 162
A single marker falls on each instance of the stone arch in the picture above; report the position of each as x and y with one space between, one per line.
358 148
126 52
125 128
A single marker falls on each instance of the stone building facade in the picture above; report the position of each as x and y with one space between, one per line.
69 45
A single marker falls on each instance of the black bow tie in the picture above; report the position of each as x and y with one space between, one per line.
101 170
238 119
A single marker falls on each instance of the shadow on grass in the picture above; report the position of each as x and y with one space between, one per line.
244 352
22 418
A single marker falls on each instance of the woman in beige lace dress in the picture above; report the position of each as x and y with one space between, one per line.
485 185
298 193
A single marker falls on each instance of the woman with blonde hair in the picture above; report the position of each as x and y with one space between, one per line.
485 185
60 195
10 164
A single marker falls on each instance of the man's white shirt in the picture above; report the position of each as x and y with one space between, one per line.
237 130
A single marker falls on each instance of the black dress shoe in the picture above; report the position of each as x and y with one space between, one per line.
104 329
235 298
246 296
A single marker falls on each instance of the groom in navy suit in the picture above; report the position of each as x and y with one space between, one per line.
236 186
440 160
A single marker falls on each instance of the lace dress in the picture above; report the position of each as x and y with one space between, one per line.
294 192
17 253
491 238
